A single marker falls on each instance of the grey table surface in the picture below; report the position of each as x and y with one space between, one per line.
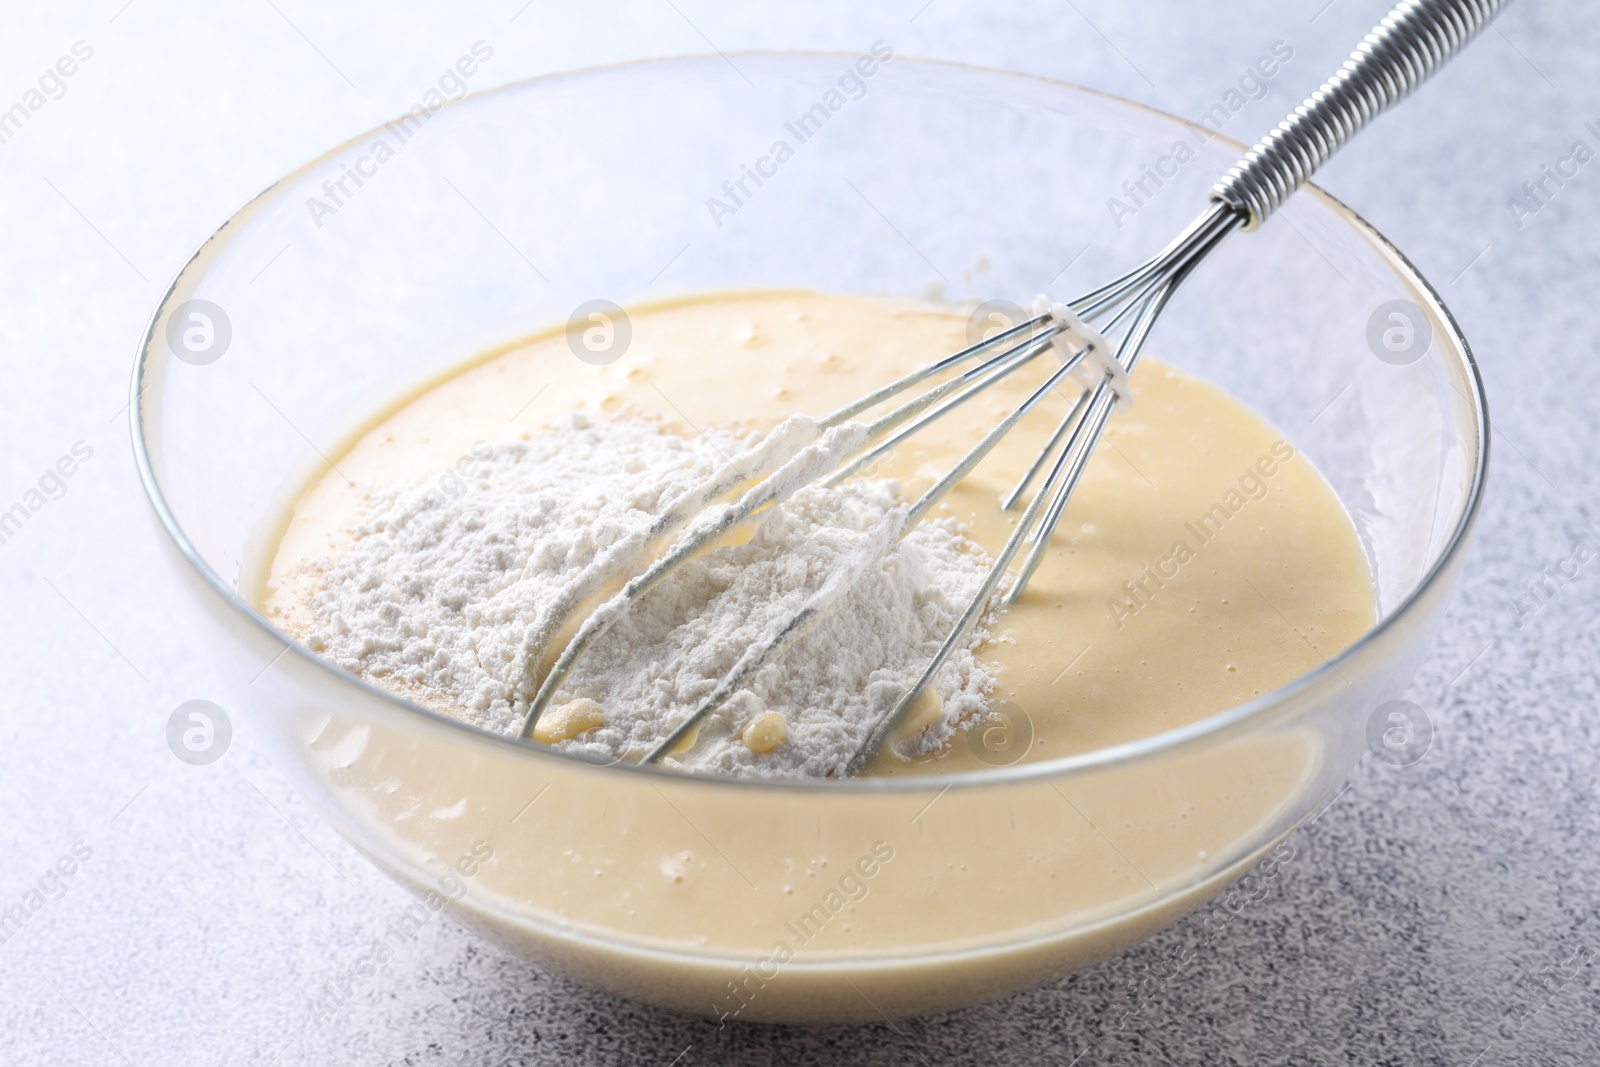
1440 913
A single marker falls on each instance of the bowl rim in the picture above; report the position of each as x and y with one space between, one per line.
1167 741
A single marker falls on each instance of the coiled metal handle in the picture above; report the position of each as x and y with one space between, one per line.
1401 52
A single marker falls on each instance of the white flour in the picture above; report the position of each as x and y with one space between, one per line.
446 599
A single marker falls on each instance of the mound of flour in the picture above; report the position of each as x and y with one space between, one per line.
437 594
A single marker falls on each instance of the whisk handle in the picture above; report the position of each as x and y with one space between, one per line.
1402 51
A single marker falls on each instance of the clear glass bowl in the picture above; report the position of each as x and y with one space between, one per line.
499 214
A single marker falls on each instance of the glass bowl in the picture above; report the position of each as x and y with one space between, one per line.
389 260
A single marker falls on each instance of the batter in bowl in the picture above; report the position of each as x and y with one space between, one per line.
1202 561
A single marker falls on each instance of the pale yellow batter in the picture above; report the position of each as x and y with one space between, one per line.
1201 561
851 902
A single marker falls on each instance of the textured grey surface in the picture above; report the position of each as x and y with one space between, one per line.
1443 913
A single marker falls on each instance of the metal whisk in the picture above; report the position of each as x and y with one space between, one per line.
1403 50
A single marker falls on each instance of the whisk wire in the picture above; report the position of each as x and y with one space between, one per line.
923 373
994 370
